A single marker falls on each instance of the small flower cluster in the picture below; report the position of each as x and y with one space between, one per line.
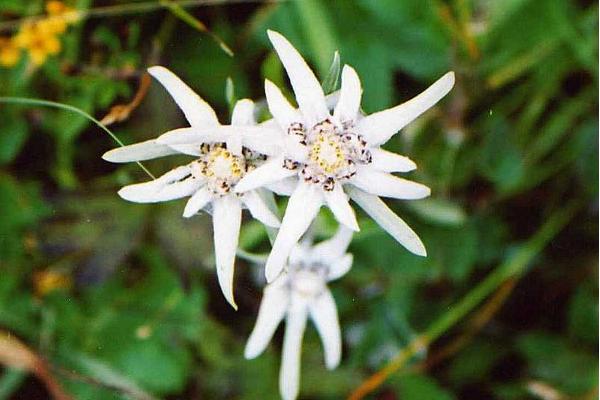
39 37
317 154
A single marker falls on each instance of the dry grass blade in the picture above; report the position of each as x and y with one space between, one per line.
15 354
121 112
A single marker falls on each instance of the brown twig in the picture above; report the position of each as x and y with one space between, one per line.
479 320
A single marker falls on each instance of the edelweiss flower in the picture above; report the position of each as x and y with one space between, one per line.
221 161
296 294
329 153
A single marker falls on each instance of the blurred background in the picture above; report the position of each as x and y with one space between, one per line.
104 299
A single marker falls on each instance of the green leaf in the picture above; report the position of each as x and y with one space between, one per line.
583 313
551 358
330 83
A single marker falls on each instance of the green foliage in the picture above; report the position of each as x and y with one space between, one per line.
122 299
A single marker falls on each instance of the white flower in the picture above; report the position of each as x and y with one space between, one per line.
221 161
325 154
299 293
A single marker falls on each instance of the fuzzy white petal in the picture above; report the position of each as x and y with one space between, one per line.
189 149
227 217
243 113
388 185
328 251
259 209
323 312
379 127
349 104
169 186
389 221
302 208
337 201
308 91
272 309
284 187
138 152
387 161
152 192
289 374
196 110
279 106
340 267
270 172
192 136
198 201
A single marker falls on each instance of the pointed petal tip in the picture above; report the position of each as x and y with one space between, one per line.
250 353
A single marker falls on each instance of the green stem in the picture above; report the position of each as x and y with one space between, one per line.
53 104
512 267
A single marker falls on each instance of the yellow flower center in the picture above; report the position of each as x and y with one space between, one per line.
221 168
333 153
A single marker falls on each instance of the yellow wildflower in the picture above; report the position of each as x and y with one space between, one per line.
9 52
38 41
49 280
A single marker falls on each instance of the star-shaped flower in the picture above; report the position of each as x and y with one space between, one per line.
297 294
221 161
331 156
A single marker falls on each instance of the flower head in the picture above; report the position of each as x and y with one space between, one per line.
297 294
328 156
210 179
40 37
9 52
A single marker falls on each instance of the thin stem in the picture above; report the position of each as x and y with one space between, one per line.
512 268
134 8
53 104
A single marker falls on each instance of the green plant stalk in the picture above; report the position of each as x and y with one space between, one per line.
189 19
513 267
53 104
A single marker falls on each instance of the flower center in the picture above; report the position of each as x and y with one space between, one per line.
307 283
221 168
333 153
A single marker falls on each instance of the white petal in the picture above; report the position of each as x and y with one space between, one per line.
259 209
197 202
243 113
153 192
337 201
340 267
279 106
263 139
308 91
196 110
388 220
169 186
189 149
379 127
387 185
289 374
284 187
323 312
332 99
387 161
273 306
349 104
302 208
138 152
328 251
227 217
191 136
271 171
